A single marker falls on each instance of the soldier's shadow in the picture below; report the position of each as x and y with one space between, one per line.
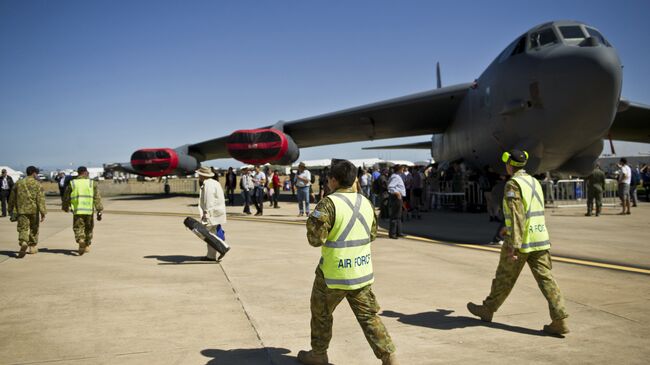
266 355
178 259
59 251
441 319
9 253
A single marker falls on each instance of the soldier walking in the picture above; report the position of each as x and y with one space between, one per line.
343 225
82 197
526 241
595 188
27 202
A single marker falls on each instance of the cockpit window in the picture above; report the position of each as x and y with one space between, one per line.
542 38
572 32
596 34
516 47
520 47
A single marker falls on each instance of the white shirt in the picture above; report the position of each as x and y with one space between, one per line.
364 179
306 175
259 179
247 181
625 175
5 183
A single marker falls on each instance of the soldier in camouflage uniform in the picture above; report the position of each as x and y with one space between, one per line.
595 188
324 299
515 252
82 222
27 202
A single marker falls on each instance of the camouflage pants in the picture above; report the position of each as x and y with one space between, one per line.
365 307
82 225
508 272
27 228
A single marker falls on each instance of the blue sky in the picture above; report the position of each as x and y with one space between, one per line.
88 82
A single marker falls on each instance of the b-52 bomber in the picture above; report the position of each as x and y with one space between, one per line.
555 92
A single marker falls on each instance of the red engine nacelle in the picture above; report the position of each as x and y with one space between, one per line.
259 146
154 162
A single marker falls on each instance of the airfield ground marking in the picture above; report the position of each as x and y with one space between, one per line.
568 260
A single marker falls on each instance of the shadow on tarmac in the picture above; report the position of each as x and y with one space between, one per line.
441 320
266 355
59 251
152 196
179 259
9 253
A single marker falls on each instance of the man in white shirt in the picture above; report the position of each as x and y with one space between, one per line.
259 182
624 179
303 183
212 207
396 193
364 181
6 184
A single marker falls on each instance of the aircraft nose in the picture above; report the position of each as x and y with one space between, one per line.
581 89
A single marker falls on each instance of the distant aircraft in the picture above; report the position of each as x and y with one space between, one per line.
555 91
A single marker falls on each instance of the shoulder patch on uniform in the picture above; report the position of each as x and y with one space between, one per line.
316 213
510 194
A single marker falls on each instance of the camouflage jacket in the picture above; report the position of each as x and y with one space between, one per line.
27 197
321 221
97 199
596 180
512 198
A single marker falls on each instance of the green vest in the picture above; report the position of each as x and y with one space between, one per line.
81 198
345 260
535 235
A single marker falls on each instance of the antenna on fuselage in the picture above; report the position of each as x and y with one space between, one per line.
439 81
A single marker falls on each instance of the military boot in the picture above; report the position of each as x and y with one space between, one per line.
557 327
390 359
312 358
33 250
82 248
87 248
23 250
480 311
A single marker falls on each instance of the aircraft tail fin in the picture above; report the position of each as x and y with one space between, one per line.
438 80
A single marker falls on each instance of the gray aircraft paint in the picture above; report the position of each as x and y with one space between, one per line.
556 100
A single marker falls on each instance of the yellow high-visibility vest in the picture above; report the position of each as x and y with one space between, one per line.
81 198
346 261
535 235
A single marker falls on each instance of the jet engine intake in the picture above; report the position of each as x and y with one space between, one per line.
259 146
157 162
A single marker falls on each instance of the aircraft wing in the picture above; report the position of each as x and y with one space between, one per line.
424 145
427 112
632 124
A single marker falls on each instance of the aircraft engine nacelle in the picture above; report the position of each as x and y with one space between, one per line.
259 146
156 162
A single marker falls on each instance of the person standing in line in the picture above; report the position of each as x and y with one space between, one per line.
396 193
635 180
212 207
259 182
246 185
344 225
276 188
526 241
27 203
82 197
364 181
231 185
624 179
595 188
6 185
303 182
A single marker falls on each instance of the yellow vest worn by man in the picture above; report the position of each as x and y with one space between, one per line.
81 197
345 261
535 235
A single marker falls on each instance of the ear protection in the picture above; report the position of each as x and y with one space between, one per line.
507 159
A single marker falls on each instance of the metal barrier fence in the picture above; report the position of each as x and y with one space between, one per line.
559 193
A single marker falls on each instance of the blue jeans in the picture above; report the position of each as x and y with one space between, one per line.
303 196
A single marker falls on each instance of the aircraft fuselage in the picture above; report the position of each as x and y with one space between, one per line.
549 94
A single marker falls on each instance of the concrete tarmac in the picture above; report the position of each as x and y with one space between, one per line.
142 295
